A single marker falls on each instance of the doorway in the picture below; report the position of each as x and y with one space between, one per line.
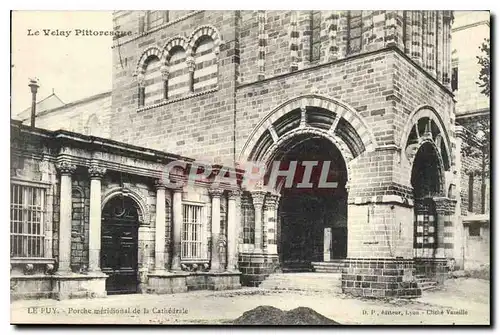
119 245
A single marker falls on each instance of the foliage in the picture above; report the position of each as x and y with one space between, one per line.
484 73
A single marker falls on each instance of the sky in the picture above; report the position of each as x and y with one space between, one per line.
74 67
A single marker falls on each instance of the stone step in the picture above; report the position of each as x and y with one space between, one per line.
328 267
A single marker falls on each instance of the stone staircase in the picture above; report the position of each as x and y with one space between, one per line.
303 281
333 266
425 283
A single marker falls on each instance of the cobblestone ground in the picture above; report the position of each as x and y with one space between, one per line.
460 301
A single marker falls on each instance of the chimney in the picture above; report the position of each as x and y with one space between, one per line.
34 89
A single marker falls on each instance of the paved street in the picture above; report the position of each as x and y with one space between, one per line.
461 301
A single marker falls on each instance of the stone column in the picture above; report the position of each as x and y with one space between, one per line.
141 88
160 227
232 231
164 76
96 173
258 202
191 67
66 169
216 237
327 244
270 207
445 208
176 228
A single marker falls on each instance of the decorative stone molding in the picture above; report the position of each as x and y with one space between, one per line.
159 184
170 101
258 198
204 30
164 72
28 269
337 109
445 206
191 65
146 54
195 267
234 194
96 172
140 202
215 192
65 167
140 77
175 41
271 201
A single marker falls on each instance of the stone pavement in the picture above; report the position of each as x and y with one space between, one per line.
461 301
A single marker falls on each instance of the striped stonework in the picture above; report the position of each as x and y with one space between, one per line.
408 32
390 28
445 209
439 46
416 42
205 62
153 81
294 42
447 17
431 42
315 40
425 228
178 73
333 24
425 39
261 60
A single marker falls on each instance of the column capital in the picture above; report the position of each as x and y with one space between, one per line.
233 194
96 172
444 205
159 184
258 197
271 201
164 72
177 189
65 167
141 78
190 63
215 192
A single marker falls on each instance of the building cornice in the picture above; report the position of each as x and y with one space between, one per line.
471 25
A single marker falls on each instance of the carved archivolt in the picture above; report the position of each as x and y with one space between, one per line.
138 199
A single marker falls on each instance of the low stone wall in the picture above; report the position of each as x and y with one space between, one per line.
31 287
194 281
379 278
57 286
255 267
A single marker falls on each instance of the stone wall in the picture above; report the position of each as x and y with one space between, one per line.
89 116
198 124
379 278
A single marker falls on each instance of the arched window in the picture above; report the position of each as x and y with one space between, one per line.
153 82
205 61
178 75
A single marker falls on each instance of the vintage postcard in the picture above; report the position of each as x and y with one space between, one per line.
250 167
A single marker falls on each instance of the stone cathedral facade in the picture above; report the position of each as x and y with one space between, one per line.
366 91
